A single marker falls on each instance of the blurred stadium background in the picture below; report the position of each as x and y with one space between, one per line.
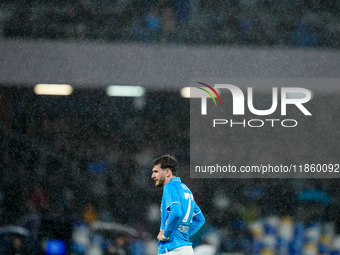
75 170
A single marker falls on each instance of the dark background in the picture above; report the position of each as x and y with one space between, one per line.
68 161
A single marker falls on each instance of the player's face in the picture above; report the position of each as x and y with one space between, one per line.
158 175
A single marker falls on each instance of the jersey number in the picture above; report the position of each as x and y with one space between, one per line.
189 197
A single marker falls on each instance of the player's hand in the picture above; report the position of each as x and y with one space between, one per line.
160 236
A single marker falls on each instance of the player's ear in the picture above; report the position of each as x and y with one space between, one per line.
168 172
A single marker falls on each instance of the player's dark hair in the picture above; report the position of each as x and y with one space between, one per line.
166 162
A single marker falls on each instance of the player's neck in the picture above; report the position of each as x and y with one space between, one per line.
167 180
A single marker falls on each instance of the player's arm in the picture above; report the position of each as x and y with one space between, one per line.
172 200
197 221
173 220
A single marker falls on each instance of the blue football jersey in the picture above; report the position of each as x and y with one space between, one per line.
178 210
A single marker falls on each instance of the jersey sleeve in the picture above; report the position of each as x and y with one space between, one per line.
171 196
173 220
197 221
173 207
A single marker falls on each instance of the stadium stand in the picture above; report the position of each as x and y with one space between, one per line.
68 164
79 159
261 22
